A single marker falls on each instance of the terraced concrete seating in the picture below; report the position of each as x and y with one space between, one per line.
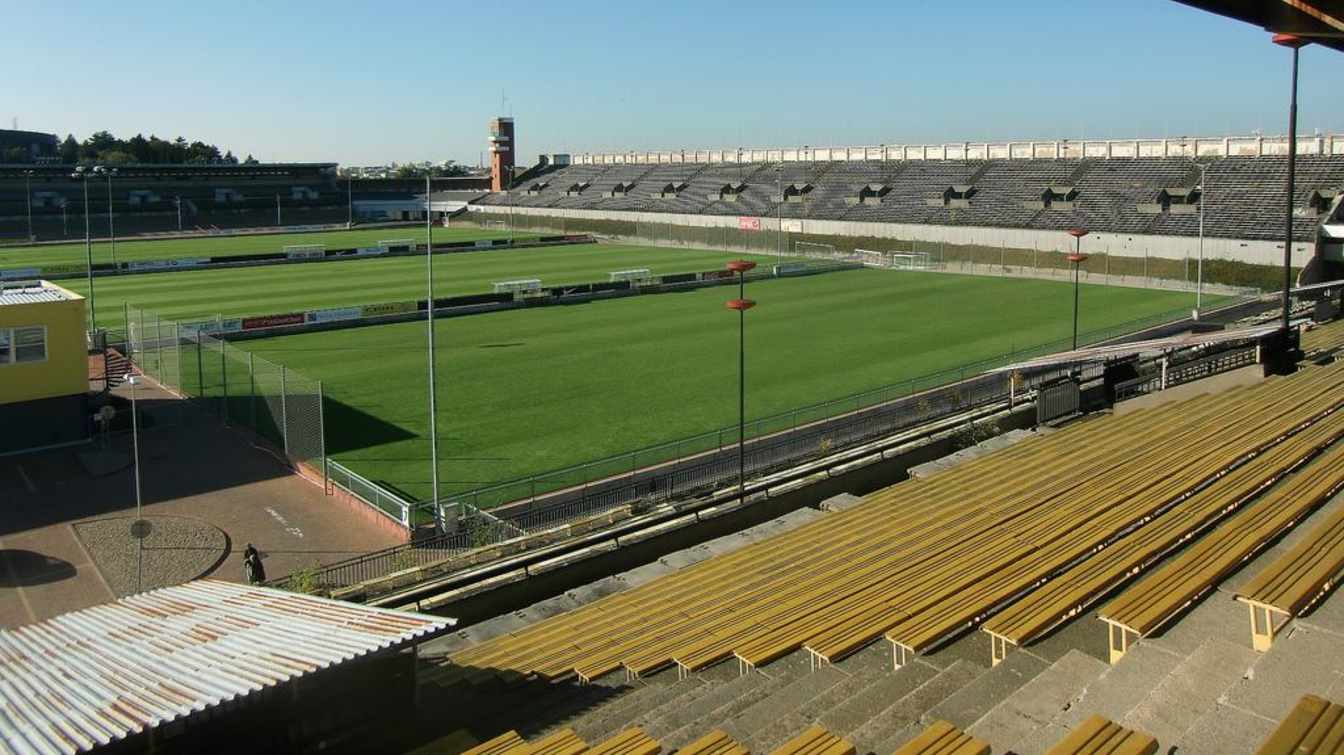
1101 736
942 738
921 560
507 742
1324 338
716 742
1295 581
1314 725
1154 600
1069 593
815 741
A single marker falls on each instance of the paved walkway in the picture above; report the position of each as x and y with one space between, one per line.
201 470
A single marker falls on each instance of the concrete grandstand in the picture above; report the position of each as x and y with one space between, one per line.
1134 194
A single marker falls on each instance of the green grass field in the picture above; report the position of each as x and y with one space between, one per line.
528 391
187 295
227 246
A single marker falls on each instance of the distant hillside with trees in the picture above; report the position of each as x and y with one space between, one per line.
103 147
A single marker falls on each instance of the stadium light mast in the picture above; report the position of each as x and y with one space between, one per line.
82 173
1295 43
1077 258
28 195
1199 266
741 304
433 385
349 200
779 183
179 213
277 209
134 381
111 230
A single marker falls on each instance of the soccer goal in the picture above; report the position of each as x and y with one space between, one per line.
305 251
523 287
814 251
871 258
495 225
397 245
635 276
910 261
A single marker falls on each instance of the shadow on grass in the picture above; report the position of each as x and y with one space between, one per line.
350 429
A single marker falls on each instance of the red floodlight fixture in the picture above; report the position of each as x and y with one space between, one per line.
741 305
1290 40
1077 233
741 266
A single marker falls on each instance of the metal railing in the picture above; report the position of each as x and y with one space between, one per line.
381 499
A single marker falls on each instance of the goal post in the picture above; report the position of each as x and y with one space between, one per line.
397 245
635 276
910 261
814 250
305 251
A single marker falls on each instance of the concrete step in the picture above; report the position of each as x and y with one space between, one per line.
896 719
970 703
1191 690
766 714
849 715
858 678
652 720
713 709
611 717
1122 686
1025 720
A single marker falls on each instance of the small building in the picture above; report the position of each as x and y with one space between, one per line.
44 372
208 666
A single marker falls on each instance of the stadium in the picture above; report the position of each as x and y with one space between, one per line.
1011 445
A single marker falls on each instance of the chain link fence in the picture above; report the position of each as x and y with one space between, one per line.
278 405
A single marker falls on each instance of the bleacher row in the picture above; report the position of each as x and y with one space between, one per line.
1242 196
1314 726
923 561
1095 736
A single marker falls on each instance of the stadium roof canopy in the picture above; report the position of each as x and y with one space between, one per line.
1137 348
1321 21
92 677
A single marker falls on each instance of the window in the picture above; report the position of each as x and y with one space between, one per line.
26 344
30 344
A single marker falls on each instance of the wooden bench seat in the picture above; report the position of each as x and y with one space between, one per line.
1101 736
816 740
942 738
716 742
1315 726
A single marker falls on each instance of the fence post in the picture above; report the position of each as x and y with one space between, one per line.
252 390
224 380
158 347
322 431
126 323
177 346
284 410
200 366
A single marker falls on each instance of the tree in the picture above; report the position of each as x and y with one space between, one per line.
250 160
116 157
69 150
16 155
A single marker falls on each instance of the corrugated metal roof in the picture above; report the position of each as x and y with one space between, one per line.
91 677
30 295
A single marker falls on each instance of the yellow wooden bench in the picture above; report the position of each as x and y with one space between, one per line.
1100 736
1315 726
716 742
1295 581
504 743
632 741
815 741
942 738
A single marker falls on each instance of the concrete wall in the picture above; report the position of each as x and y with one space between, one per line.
1117 244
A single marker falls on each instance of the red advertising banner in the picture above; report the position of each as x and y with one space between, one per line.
272 321
748 224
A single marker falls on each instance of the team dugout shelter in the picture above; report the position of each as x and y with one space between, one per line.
43 367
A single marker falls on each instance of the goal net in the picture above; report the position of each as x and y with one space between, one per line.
495 225
814 251
636 275
305 251
397 245
910 261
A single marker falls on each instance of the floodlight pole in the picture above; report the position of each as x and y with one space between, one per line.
179 213
277 209
135 444
741 304
1295 43
508 192
81 174
349 200
1077 258
433 398
779 183
1199 267
111 230
28 195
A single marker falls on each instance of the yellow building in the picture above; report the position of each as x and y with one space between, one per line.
43 366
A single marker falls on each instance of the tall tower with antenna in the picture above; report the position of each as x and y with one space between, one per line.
501 153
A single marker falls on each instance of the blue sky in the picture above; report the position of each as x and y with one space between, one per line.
365 82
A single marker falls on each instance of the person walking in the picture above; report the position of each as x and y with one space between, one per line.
253 571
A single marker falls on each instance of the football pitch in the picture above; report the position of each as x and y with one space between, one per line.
134 250
528 391
186 295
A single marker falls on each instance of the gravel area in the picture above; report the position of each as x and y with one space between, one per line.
177 550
